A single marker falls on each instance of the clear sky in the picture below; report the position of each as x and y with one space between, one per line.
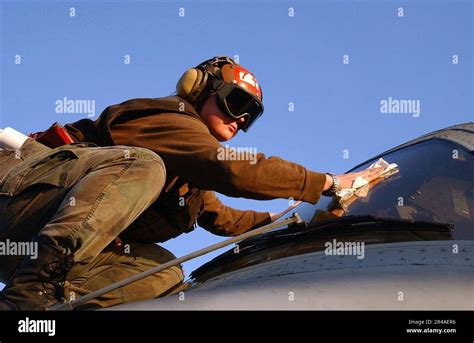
404 50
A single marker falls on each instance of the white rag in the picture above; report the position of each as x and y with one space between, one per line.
360 186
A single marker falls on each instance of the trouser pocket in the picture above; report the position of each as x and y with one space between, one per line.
9 160
49 167
30 166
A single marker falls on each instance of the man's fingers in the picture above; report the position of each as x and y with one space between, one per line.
374 171
373 177
370 174
377 173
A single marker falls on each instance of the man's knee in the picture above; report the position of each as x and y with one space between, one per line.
152 255
149 169
148 161
139 167
144 154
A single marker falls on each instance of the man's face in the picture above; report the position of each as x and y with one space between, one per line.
221 126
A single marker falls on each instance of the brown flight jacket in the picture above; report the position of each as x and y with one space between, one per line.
173 129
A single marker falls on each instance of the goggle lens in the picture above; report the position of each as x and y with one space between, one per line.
237 103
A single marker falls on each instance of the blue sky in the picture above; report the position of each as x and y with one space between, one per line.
297 59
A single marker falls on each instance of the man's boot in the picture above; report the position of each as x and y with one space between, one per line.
38 283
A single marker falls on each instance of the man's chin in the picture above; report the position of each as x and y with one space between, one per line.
220 137
224 136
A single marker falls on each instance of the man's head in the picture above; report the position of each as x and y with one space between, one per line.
221 126
223 92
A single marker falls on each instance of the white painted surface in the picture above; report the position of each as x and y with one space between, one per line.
429 275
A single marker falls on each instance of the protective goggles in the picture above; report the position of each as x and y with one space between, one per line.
237 103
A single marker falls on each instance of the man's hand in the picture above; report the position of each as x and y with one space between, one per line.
275 216
346 180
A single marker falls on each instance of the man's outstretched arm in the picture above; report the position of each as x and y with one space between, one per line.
226 221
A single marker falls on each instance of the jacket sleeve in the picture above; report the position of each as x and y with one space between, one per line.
226 221
191 152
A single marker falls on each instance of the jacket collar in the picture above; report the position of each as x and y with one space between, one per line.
177 104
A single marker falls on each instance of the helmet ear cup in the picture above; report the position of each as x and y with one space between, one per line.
190 85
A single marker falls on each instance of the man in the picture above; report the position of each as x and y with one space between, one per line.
104 208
